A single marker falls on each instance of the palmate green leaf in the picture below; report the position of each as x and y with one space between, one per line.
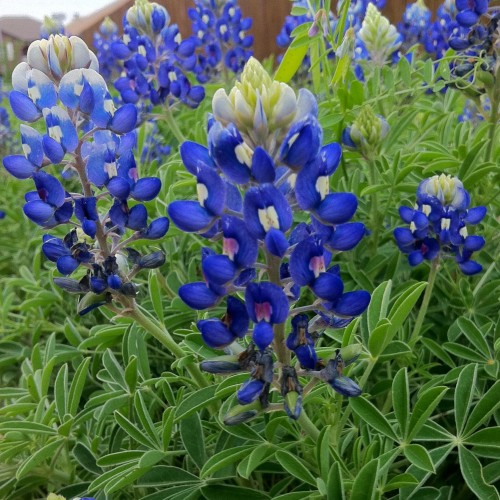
475 336
401 399
223 459
489 437
400 481
258 456
193 439
196 401
291 61
378 304
46 452
464 393
404 304
146 420
419 456
484 408
365 484
85 458
77 385
61 391
133 431
131 374
423 408
26 426
165 475
464 352
372 416
472 472
294 466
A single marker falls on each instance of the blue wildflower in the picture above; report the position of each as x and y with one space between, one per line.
438 224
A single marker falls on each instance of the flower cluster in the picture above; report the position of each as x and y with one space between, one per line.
264 162
221 31
51 26
438 224
91 140
109 66
157 60
415 23
367 132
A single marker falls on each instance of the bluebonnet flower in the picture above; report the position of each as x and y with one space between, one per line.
92 140
469 11
265 160
51 26
222 40
415 23
157 60
109 66
366 133
438 224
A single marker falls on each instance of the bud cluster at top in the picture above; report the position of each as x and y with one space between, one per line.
109 66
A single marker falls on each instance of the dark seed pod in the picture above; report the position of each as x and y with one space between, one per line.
152 261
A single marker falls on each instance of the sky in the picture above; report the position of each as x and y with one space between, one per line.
40 8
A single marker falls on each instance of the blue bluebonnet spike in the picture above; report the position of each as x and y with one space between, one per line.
248 188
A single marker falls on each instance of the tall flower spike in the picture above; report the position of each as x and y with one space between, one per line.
92 138
264 161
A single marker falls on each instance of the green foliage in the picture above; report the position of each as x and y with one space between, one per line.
96 406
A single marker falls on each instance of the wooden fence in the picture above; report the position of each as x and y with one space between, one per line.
267 15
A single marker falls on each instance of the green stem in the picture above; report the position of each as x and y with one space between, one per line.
414 337
495 105
374 215
307 425
160 333
174 128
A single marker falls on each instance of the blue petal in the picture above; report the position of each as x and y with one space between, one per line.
189 216
52 149
475 215
307 356
157 229
404 237
23 107
276 242
218 269
67 264
301 143
41 89
198 296
406 214
337 208
49 189
330 157
300 261
347 236
54 248
264 292
38 211
306 189
247 247
328 286
470 267
119 187
89 227
32 145
346 386
192 154
18 166
467 18
250 391
124 120
415 258
263 168
474 243
352 303
262 334
137 218
61 128
146 189
215 333
211 190
237 316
